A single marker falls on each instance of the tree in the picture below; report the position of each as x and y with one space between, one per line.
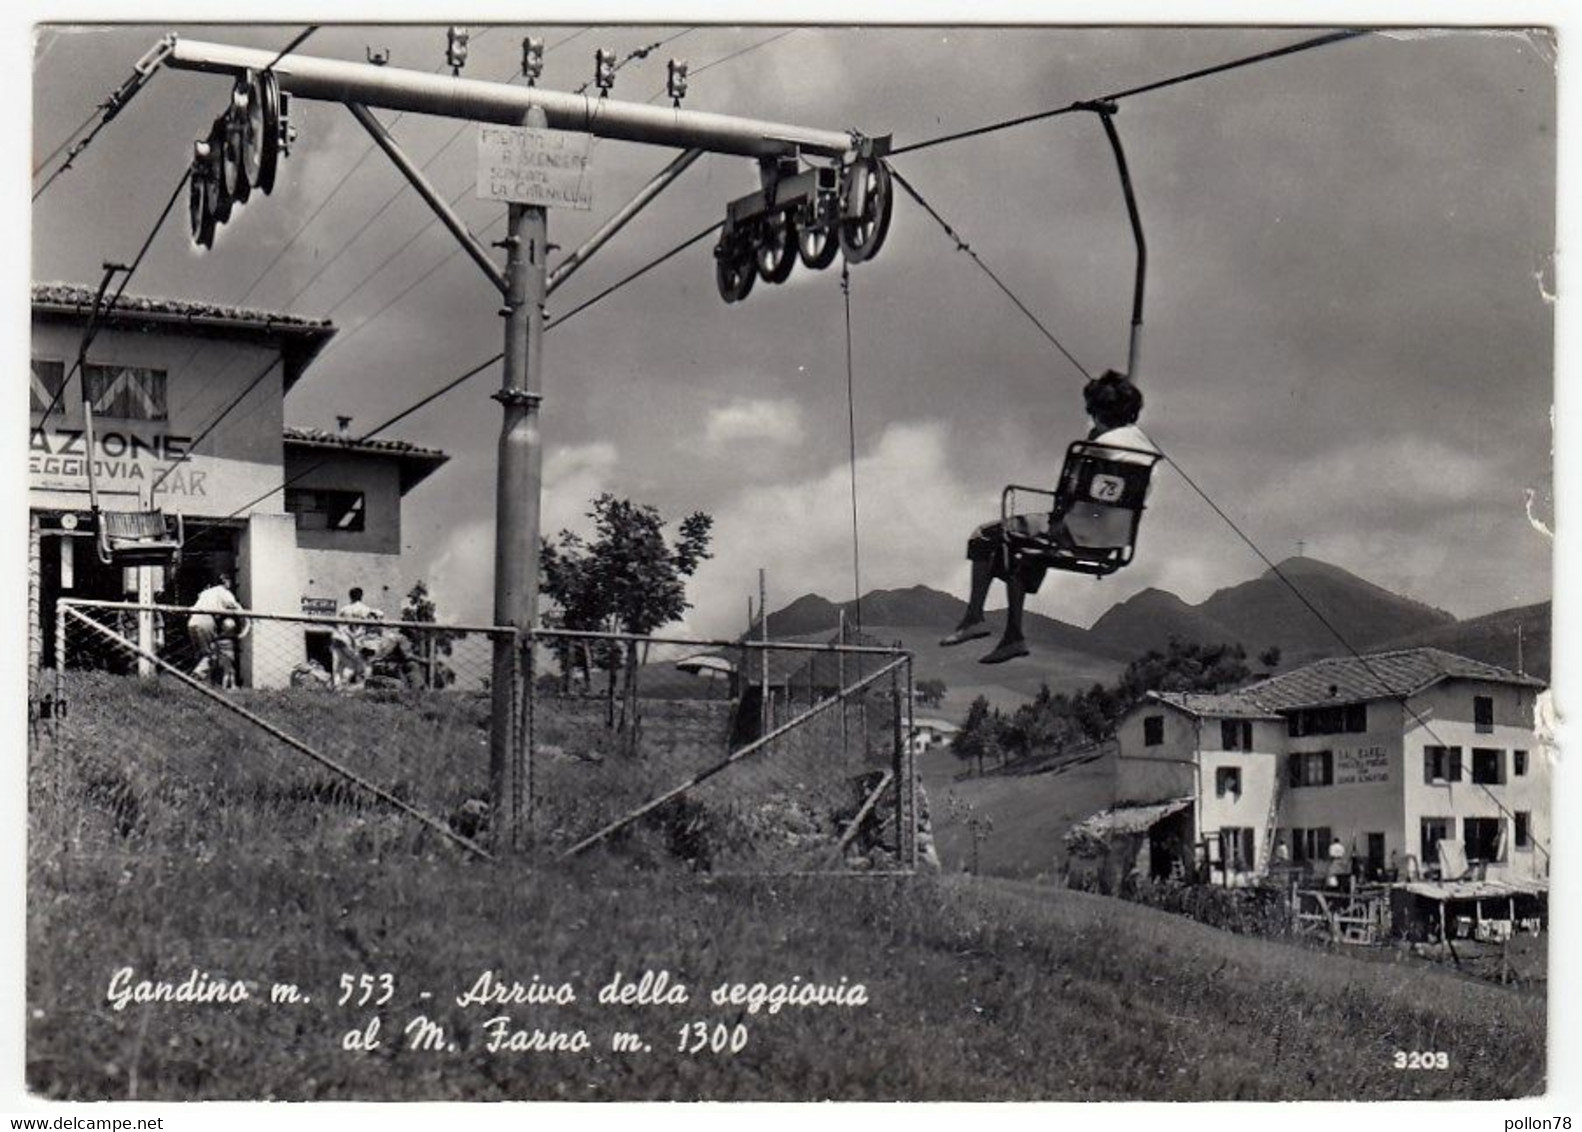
931 691
968 743
427 647
628 578
1270 657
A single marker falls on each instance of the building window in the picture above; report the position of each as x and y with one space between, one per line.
1482 838
1519 763
319 510
1435 830
1236 848
1227 780
1483 714
131 393
1341 718
1310 844
1153 730
1486 766
1524 829
1441 764
1310 768
48 377
1235 734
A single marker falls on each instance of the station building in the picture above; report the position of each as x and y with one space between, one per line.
296 515
1391 754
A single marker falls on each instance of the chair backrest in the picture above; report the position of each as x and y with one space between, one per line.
135 524
1102 493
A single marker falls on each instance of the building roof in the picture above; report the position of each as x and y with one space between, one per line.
416 462
1225 705
1375 676
300 337
1341 680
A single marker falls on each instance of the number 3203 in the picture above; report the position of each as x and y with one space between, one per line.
1417 1060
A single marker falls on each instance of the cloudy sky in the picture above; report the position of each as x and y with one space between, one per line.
1349 334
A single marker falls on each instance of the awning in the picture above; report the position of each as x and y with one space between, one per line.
1106 825
1477 889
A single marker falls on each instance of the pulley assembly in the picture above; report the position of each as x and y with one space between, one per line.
807 214
241 153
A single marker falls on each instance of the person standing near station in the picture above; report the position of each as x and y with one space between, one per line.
202 626
352 641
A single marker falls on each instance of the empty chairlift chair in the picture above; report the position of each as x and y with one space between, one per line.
139 538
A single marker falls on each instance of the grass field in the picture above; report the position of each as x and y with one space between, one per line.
1030 814
978 988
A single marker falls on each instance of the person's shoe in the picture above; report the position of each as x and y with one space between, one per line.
976 631
1004 651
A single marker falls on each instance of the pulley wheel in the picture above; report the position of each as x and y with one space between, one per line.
817 247
202 220
237 186
263 129
253 127
220 201
734 270
776 250
862 236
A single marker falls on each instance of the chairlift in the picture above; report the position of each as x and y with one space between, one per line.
146 537
1098 502
1096 510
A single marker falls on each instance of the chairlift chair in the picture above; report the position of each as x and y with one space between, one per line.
1098 503
139 538
1096 510
145 537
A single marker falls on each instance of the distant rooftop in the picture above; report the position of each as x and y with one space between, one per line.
1340 680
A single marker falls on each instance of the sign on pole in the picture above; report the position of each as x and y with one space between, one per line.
524 165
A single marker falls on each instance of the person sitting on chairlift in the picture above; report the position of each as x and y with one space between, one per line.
1114 404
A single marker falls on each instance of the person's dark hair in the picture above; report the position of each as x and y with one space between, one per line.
1112 400
357 593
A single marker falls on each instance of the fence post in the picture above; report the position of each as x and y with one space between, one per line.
907 784
518 759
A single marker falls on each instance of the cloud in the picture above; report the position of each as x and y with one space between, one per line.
913 528
462 574
760 419
1379 482
573 475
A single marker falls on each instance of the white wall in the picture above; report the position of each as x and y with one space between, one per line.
237 462
1444 718
1158 773
1366 795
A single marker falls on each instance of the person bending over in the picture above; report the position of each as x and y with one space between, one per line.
1113 404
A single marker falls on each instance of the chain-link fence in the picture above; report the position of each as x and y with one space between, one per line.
193 730
729 755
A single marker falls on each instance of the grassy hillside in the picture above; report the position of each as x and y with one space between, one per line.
1030 813
978 989
1492 638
